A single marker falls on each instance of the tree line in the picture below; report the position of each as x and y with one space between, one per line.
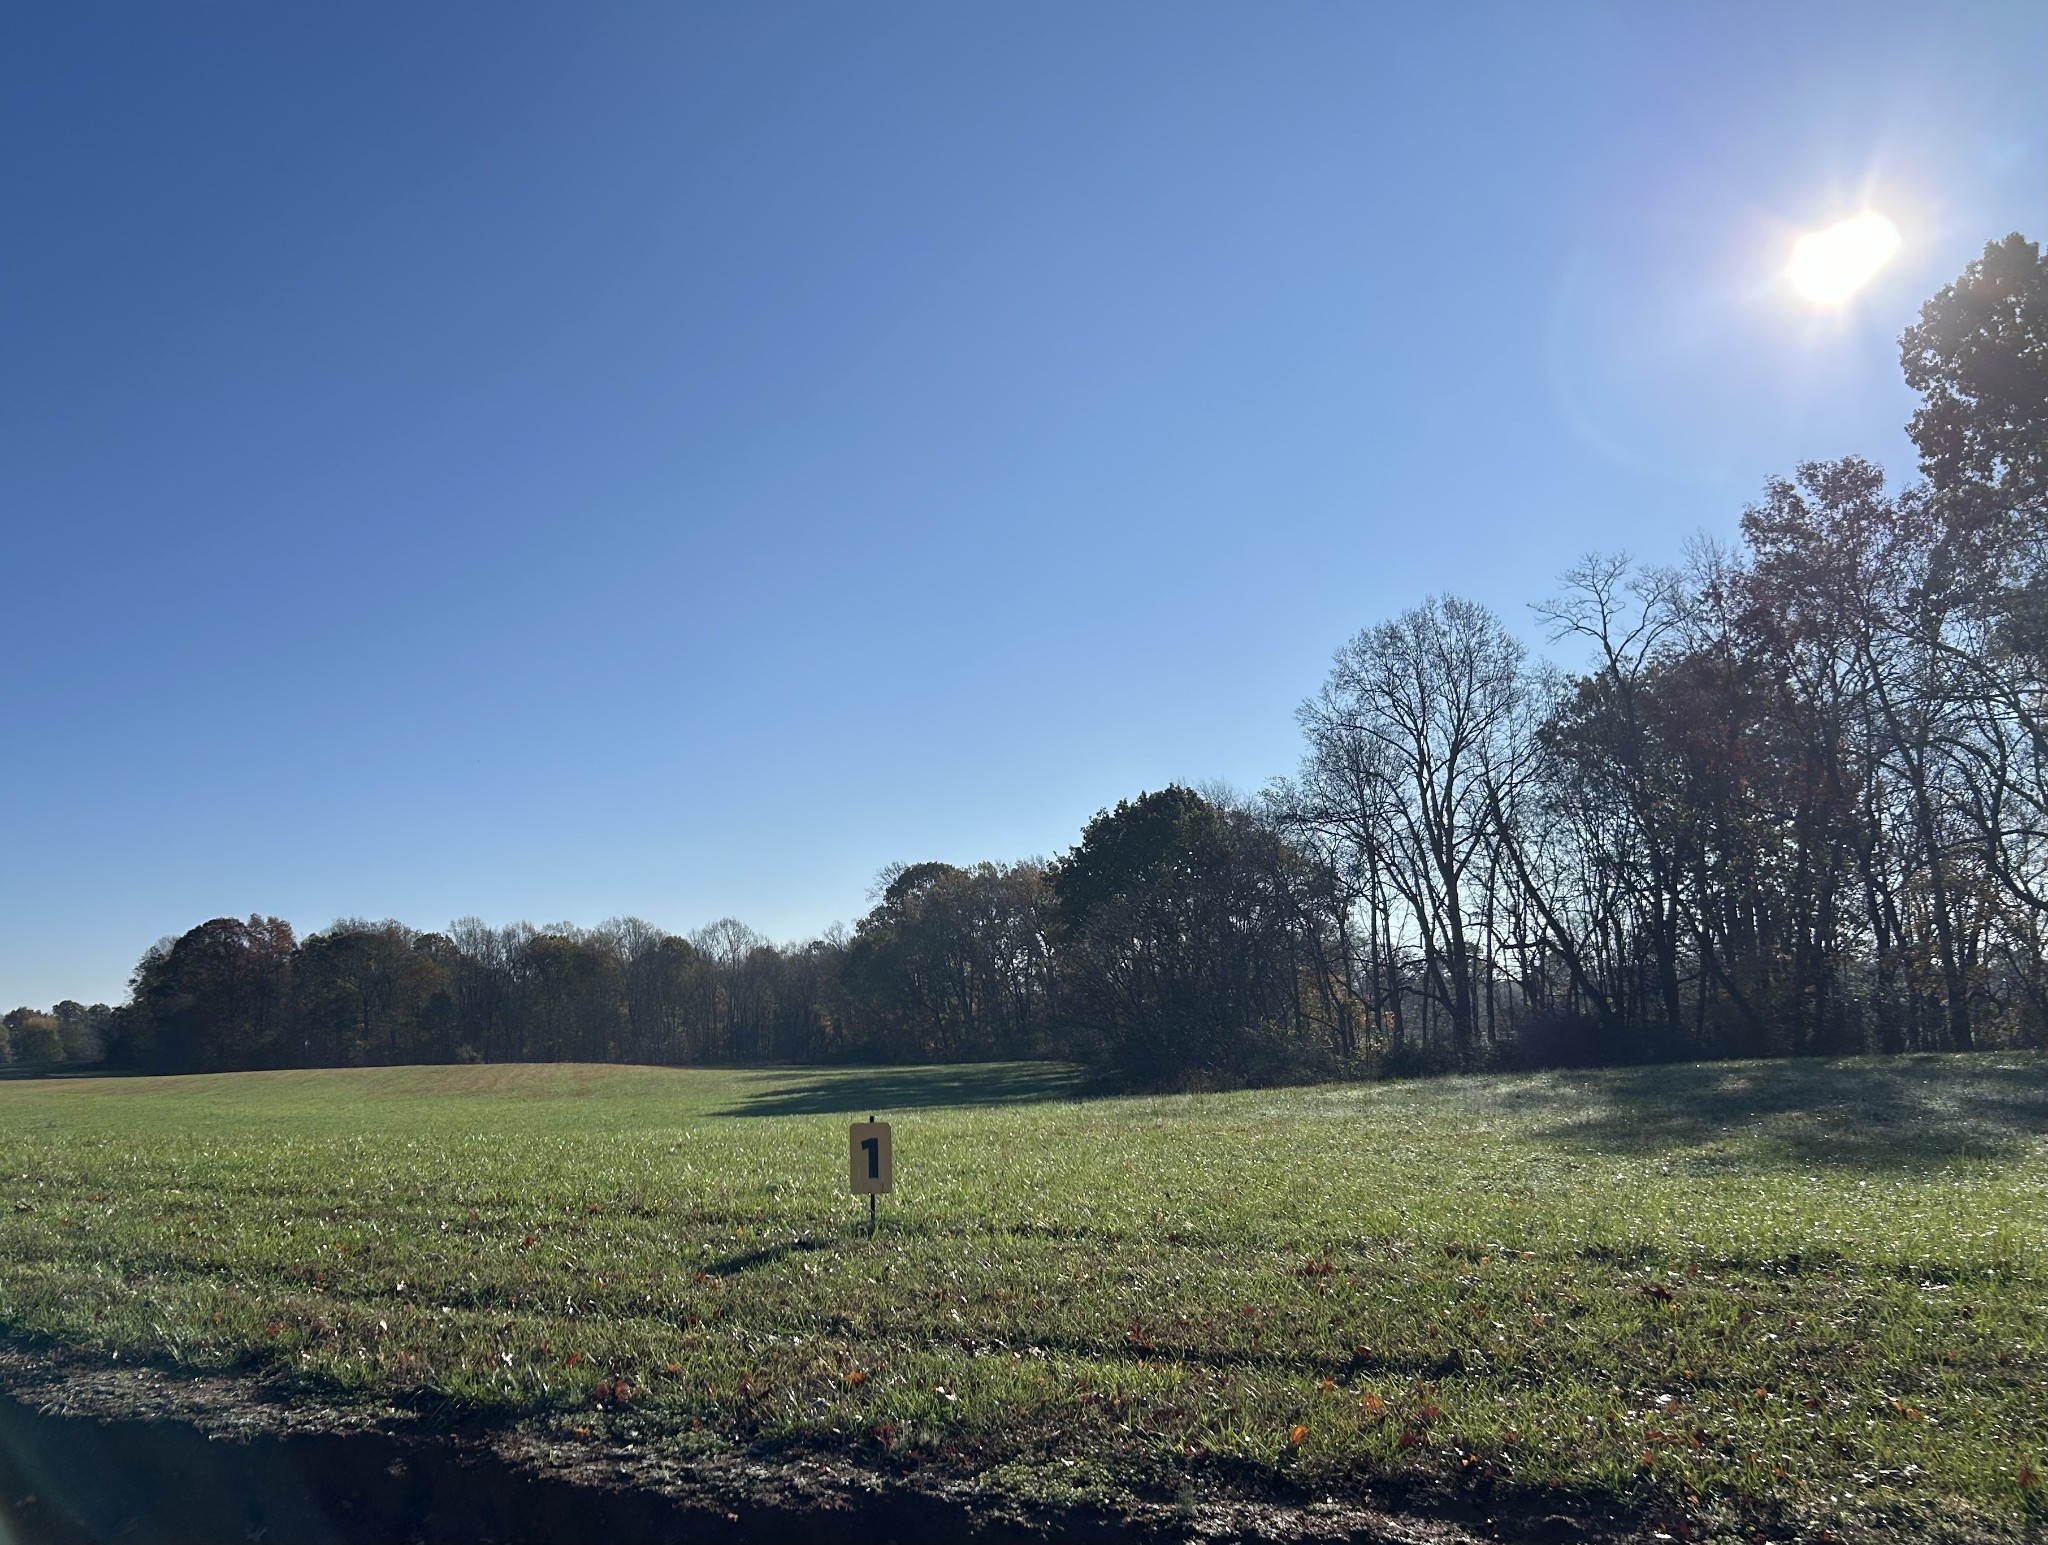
1793 800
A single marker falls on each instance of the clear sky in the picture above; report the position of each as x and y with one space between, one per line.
675 459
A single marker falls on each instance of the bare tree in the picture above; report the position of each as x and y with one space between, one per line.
1412 734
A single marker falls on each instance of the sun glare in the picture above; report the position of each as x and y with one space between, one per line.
1831 265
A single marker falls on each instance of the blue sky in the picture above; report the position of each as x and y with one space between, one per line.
555 463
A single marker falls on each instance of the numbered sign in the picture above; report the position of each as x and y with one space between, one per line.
867 1144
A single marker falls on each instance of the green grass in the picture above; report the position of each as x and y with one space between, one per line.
1802 1296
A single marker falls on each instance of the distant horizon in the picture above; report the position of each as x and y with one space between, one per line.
675 463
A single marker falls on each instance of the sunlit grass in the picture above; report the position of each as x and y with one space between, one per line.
1807 1293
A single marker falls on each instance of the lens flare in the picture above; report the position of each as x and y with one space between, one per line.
1831 265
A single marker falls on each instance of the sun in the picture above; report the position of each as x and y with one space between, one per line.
1831 265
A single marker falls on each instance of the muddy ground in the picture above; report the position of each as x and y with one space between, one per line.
91 1452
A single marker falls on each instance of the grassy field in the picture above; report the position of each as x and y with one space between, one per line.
1804 1298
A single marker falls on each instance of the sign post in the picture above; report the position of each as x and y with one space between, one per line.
870 1162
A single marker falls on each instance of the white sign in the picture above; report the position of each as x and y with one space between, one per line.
869 1158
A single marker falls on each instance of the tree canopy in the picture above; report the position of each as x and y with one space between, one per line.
1791 798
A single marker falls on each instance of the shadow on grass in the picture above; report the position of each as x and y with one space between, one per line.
882 1090
1871 1113
733 1265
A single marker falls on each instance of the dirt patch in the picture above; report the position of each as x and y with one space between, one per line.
95 1453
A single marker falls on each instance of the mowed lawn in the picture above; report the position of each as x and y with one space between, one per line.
1799 1297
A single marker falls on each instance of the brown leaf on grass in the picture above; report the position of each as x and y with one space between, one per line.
1296 1435
1408 1440
857 1376
1431 1412
574 1358
1372 1402
2029 1479
528 1242
1317 1269
1326 1385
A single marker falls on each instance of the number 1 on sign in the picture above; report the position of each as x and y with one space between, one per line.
867 1144
868 1156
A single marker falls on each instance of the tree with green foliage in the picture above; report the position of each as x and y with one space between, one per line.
1979 358
955 962
1195 938
27 1036
217 997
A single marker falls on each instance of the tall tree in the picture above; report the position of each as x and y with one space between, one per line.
1416 729
217 997
1195 937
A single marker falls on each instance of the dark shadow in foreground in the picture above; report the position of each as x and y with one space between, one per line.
72 1479
1866 1113
68 1480
856 1091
